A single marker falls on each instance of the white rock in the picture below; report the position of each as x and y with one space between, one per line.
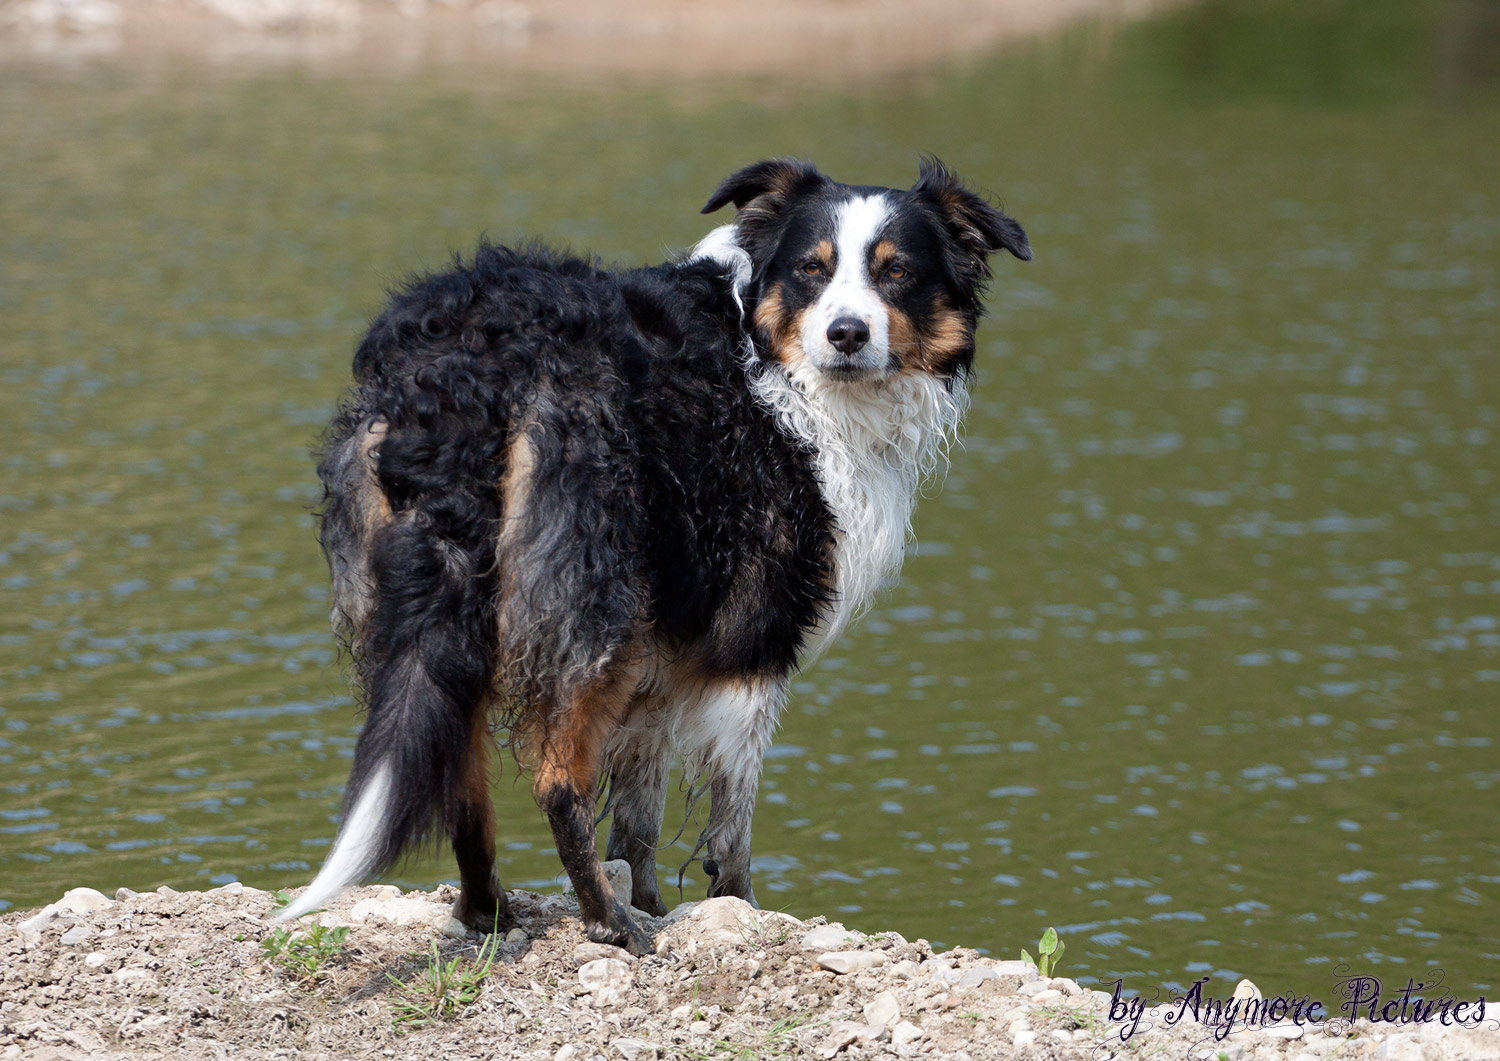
905 969
565 1052
234 887
611 995
851 961
700 1027
1023 1038
604 972
95 960
617 873
1047 997
1404 1048
831 937
589 951
905 1033
75 935
726 919
84 901
1035 987
630 1049
400 911
976 976
1016 967
1245 989
41 919
840 1034
1285 1030
942 973
883 1011
1067 986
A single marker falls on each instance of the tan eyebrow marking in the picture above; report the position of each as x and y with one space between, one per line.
884 254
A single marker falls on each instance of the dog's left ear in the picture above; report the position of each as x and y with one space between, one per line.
981 228
772 180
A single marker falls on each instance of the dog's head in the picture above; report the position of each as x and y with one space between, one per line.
861 283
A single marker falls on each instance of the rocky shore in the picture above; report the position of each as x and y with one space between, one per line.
827 41
382 974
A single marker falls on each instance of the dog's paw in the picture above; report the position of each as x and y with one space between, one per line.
622 931
484 916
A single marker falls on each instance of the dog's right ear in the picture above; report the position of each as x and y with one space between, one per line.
772 180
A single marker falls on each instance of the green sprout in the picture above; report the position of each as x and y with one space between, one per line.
1050 949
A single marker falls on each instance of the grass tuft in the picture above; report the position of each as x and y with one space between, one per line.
443 989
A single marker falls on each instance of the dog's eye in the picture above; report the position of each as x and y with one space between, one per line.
812 268
897 272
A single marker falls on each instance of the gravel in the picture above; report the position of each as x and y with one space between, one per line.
171 974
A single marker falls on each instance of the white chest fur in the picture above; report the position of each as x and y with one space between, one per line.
876 442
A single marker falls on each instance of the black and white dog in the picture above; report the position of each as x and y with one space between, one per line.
610 512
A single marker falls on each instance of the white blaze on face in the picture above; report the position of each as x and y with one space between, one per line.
851 291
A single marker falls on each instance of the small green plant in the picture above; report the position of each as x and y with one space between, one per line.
776 1042
1074 1015
1049 950
304 953
280 899
443 988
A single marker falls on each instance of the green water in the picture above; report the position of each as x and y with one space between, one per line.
1198 658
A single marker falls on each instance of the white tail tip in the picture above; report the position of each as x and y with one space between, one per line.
354 849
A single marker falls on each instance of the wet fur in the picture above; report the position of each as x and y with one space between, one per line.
610 512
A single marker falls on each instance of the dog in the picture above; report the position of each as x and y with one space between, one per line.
611 512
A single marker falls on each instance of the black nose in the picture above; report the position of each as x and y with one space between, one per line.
848 335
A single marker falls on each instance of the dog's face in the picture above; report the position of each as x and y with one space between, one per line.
860 283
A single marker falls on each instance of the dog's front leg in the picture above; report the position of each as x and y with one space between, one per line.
727 859
639 765
741 723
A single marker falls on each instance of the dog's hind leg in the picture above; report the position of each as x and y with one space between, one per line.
638 765
567 767
734 726
481 901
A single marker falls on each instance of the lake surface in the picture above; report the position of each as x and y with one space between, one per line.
1197 657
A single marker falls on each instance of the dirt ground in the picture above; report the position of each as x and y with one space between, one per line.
813 41
187 975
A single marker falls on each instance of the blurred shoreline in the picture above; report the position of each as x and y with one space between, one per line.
813 41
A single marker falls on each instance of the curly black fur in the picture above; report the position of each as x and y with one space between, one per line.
594 507
621 382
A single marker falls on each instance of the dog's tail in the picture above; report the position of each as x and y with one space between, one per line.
425 654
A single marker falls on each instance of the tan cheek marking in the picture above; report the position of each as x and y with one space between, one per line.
945 338
904 341
783 331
